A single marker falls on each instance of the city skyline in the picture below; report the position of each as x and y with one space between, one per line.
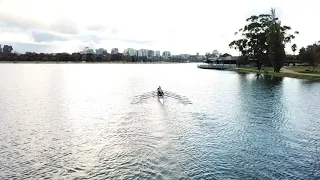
128 51
177 30
138 52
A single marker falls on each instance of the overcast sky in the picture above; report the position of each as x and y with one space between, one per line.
179 26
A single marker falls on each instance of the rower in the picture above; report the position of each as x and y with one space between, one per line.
160 92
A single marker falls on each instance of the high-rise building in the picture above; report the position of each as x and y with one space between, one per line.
158 53
166 54
140 52
87 50
150 53
101 51
114 51
7 49
0 48
130 52
143 52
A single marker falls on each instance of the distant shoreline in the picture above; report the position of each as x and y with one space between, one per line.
119 62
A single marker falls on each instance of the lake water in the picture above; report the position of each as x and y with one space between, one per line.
77 121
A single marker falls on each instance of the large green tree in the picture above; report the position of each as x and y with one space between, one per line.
256 38
275 41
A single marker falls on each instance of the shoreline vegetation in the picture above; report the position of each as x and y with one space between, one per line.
284 72
95 62
33 57
263 40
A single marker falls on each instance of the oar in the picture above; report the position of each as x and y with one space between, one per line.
145 97
182 98
183 101
145 94
176 96
148 95
171 93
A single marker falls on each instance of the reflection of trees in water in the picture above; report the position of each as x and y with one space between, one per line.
261 95
262 110
273 80
259 120
266 132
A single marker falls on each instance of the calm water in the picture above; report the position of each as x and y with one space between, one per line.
66 121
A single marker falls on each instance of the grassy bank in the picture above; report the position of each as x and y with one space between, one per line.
305 69
285 72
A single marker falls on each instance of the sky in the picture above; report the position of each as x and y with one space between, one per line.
178 26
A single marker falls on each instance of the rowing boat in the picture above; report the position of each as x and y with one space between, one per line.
167 94
160 98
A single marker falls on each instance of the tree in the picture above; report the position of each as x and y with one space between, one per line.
116 57
310 55
294 48
275 40
254 41
242 60
207 56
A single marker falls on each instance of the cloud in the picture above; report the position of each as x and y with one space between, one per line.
97 27
102 29
64 26
130 41
60 26
47 37
194 26
90 38
114 31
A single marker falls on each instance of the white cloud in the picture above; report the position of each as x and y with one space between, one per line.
188 26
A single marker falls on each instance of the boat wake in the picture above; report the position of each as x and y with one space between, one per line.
152 94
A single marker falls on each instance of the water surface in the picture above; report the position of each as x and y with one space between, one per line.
66 121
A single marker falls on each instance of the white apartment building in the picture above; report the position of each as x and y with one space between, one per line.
150 53
101 51
166 54
114 51
143 52
130 52
87 50
140 53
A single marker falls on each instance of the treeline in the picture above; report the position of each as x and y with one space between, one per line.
77 57
310 54
263 40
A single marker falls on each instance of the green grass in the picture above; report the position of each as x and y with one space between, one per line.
269 71
304 69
